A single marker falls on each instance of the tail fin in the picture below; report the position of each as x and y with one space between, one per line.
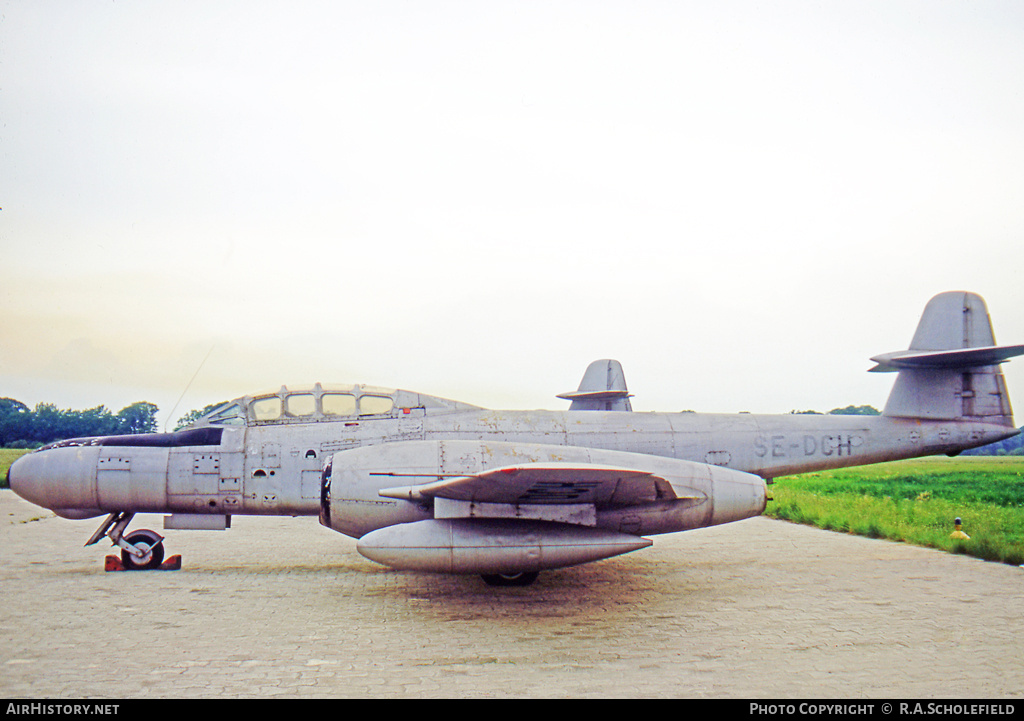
951 371
603 388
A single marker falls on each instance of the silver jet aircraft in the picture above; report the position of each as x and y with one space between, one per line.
431 484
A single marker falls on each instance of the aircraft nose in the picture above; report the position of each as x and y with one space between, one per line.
56 479
22 481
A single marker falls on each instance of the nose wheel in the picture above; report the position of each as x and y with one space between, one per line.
140 550
151 546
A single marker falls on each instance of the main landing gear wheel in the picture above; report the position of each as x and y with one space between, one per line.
148 541
510 579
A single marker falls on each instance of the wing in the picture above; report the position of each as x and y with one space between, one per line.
551 483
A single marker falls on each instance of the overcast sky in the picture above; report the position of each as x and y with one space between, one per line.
741 201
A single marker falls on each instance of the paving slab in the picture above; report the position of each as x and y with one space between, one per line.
283 607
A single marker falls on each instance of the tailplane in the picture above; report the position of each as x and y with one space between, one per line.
951 370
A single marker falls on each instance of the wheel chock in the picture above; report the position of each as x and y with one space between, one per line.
113 563
171 564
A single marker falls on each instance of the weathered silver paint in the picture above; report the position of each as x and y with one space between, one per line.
366 458
603 388
634 493
492 545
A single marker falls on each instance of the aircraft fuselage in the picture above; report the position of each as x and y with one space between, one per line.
277 468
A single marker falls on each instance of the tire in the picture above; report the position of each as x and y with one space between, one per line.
510 579
149 540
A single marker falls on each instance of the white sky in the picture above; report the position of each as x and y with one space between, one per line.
741 201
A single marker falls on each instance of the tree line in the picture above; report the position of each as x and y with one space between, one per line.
24 427
1010 447
846 411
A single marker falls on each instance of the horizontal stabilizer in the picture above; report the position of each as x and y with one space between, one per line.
950 359
594 395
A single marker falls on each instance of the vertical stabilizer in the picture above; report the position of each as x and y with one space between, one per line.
951 370
954 320
603 388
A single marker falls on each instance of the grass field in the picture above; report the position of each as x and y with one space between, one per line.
916 502
7 457
911 501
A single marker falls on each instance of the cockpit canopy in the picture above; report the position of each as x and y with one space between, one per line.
324 403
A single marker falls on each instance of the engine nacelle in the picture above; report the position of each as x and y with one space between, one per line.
654 495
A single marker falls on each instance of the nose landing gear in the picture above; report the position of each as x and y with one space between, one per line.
147 543
140 550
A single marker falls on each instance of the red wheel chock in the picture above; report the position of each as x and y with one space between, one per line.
113 563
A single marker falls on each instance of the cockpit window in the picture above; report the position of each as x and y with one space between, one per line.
305 405
338 404
301 404
232 415
266 409
375 405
